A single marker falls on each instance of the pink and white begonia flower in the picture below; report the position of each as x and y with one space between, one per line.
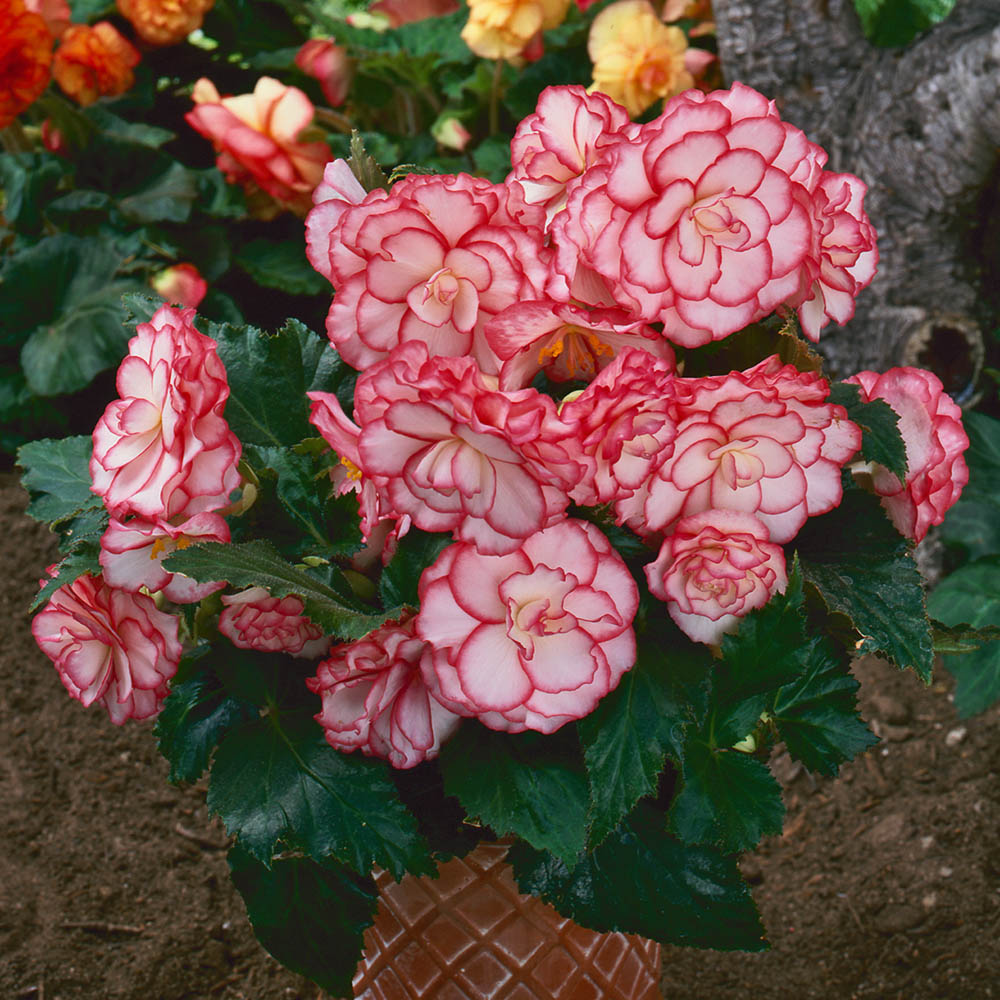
457 455
338 190
532 639
563 138
163 448
931 426
375 698
715 568
253 619
132 554
432 261
565 340
703 220
626 422
847 254
181 285
764 442
109 646
257 140
329 63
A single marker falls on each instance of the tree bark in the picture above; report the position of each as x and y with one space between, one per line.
921 126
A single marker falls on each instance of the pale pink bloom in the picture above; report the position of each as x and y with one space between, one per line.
715 568
764 442
132 554
846 254
406 11
338 190
532 639
564 137
55 13
109 646
257 138
180 285
327 62
565 340
343 436
432 261
163 448
626 422
703 221
457 455
451 133
375 698
253 619
931 426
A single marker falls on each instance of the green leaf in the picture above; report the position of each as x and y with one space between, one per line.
415 552
974 522
276 781
267 404
310 915
643 881
168 197
282 265
258 564
528 785
57 477
196 714
962 638
817 714
728 798
891 23
364 166
972 594
873 581
880 438
626 739
492 158
76 564
62 300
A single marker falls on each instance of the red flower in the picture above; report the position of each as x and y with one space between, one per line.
94 61
25 58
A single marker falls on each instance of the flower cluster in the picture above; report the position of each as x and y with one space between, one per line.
608 244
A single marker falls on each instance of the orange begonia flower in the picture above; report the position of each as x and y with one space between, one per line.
638 59
165 22
25 58
94 61
503 29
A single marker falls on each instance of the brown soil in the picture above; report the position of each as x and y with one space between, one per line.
114 886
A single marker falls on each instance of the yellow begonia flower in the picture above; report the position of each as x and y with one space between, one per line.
501 29
638 59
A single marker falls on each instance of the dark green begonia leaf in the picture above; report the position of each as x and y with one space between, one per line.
282 265
57 477
890 23
880 438
974 522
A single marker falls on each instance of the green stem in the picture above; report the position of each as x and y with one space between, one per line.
495 97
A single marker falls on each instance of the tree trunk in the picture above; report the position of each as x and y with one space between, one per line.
921 126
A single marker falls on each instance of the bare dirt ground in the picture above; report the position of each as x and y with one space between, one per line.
114 886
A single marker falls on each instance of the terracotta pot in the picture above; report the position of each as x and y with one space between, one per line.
470 935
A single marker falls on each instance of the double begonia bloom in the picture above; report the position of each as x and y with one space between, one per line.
625 422
846 251
532 639
638 60
431 261
703 221
566 341
715 568
181 284
164 449
931 426
456 455
561 139
94 61
165 22
257 138
328 62
253 619
25 58
338 190
504 29
375 698
132 554
763 442
109 646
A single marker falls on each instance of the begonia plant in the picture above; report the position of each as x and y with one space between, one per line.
556 531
